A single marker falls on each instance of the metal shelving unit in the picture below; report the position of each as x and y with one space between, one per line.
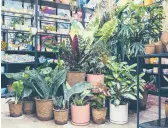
35 19
160 122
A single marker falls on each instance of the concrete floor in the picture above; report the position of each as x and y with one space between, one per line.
30 121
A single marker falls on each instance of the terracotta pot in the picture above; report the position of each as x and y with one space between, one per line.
61 116
159 48
143 102
119 114
15 109
28 107
164 37
80 114
44 109
10 89
95 80
147 2
99 115
166 109
149 49
75 77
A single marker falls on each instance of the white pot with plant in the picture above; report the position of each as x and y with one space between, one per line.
121 81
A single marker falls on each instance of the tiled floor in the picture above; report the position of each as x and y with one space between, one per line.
30 121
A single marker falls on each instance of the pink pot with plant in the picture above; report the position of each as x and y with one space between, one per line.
80 114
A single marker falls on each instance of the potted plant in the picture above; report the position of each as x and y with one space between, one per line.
98 106
60 111
95 67
15 107
28 92
150 48
46 81
121 81
80 107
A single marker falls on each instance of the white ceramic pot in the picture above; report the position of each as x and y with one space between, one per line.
119 114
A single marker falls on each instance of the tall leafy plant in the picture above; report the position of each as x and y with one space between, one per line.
121 80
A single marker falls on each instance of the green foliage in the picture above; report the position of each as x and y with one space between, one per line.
18 87
121 80
44 81
79 92
98 101
59 102
136 26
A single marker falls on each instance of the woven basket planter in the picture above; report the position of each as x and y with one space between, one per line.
99 115
61 116
44 109
149 49
28 107
15 109
75 77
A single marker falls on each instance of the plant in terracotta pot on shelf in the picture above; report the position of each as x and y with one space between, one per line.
98 106
45 82
121 81
15 107
80 94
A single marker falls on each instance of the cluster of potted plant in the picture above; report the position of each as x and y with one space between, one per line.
40 88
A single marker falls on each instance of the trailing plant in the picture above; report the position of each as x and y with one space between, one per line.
121 81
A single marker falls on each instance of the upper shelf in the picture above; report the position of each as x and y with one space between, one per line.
61 6
17 12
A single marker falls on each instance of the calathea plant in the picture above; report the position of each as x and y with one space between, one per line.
121 81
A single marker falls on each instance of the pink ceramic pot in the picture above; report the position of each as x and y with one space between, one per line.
95 80
80 114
